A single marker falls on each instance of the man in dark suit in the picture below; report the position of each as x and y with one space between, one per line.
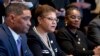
94 30
17 22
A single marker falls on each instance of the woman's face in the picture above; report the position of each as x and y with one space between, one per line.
48 22
74 19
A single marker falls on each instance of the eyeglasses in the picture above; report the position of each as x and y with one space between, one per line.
52 19
74 17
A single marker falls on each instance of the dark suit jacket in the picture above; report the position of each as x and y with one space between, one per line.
7 43
60 3
94 30
69 42
39 48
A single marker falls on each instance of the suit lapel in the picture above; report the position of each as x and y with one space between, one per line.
24 50
50 36
11 40
24 47
38 37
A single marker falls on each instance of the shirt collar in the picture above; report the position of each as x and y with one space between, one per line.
15 35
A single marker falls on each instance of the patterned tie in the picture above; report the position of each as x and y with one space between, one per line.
19 46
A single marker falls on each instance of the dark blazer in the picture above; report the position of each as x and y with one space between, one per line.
94 30
7 43
39 48
75 44
60 3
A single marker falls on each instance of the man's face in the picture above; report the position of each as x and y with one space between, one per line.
22 22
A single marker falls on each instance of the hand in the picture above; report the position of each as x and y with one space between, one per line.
77 4
61 12
58 13
85 5
97 51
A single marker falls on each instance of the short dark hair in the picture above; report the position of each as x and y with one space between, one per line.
69 8
16 8
41 10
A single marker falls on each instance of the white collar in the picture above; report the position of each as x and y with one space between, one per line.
15 35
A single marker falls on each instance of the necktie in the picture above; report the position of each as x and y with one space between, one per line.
19 46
